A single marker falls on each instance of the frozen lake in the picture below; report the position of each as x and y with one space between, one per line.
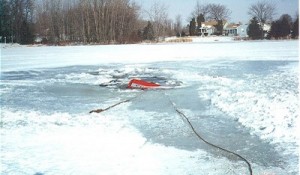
242 96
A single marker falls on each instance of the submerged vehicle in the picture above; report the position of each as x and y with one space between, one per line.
141 84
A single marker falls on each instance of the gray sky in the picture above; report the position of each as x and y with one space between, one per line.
239 8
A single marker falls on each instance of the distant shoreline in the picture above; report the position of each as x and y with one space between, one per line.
167 40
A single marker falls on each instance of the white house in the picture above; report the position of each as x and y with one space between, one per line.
208 28
266 29
239 30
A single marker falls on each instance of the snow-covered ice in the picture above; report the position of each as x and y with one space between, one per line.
242 95
13 58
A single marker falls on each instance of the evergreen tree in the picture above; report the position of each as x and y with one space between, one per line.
281 28
200 20
148 32
183 34
254 30
275 30
295 28
192 27
285 25
219 27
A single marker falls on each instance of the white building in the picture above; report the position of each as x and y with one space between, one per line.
239 30
235 30
208 28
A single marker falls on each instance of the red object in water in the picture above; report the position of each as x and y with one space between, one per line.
141 84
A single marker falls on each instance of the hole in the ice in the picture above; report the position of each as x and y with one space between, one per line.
38 173
119 78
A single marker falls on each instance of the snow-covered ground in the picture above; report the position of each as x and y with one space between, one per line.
242 95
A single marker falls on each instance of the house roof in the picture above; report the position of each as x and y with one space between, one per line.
232 26
211 23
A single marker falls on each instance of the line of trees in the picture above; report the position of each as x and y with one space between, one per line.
120 21
87 21
80 21
263 12
284 27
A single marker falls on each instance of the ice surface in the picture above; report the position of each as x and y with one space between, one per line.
242 95
99 143
267 104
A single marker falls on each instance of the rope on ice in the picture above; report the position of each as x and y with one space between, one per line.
102 110
205 141
112 106
189 123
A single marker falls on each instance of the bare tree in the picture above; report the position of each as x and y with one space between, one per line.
200 9
218 12
20 19
50 20
88 21
263 11
178 25
159 17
